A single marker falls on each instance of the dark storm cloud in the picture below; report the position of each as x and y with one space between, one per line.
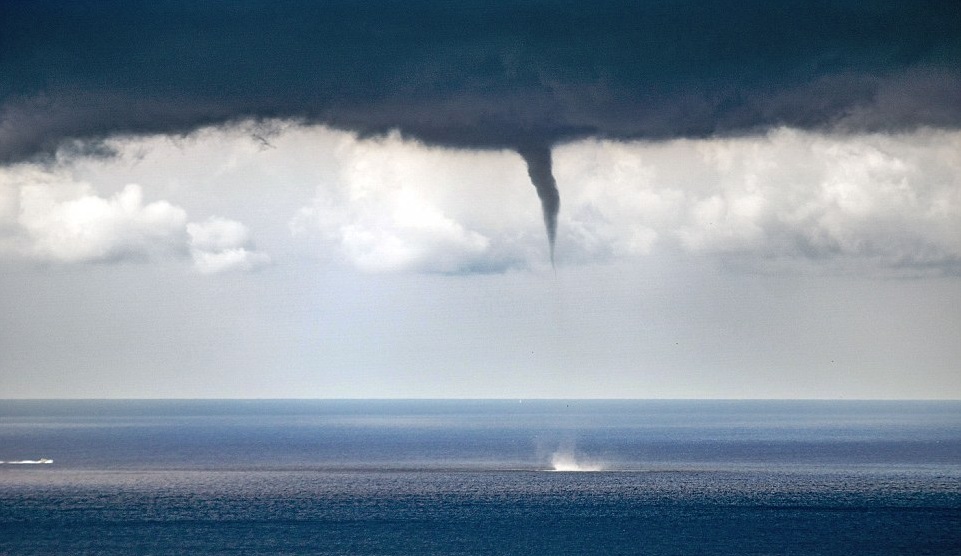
473 74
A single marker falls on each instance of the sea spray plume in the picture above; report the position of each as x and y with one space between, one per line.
538 159
565 460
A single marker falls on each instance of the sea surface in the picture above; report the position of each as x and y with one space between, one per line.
480 477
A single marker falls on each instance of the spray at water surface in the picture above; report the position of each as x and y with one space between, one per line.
564 459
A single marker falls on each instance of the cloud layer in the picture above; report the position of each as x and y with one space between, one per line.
46 215
888 202
484 74
892 201
869 202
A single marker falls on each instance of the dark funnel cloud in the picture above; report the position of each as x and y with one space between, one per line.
538 159
477 74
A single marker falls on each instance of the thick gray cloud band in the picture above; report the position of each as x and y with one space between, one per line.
479 74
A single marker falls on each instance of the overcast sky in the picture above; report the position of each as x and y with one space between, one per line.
315 202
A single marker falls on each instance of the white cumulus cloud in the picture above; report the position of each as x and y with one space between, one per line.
79 226
220 245
48 216
394 205
891 200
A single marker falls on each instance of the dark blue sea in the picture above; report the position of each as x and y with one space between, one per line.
480 477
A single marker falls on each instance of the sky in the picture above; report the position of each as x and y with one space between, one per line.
501 199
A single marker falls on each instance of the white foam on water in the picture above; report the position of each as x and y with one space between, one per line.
40 461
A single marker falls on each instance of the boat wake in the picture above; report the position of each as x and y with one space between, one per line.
40 461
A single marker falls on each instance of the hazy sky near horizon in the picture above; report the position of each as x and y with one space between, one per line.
742 216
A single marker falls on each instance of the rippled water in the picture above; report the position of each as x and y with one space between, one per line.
459 477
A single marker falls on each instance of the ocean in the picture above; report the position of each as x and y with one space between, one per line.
480 477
